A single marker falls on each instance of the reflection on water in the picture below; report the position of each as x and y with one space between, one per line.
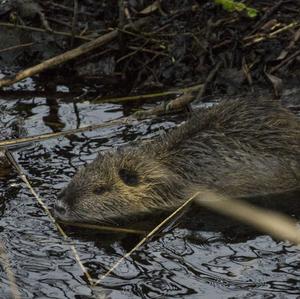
205 255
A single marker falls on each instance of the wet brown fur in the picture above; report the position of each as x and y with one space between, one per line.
241 148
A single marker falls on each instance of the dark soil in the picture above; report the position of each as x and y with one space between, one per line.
179 46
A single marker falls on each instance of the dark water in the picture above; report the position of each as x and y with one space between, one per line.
204 256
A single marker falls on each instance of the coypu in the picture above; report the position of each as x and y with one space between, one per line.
240 148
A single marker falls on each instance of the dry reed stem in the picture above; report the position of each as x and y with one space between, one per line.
46 136
48 213
4 261
149 235
278 225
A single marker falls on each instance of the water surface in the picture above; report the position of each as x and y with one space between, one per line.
203 256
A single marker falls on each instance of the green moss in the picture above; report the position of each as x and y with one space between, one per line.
231 5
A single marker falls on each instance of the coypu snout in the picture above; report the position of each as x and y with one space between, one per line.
238 148
60 210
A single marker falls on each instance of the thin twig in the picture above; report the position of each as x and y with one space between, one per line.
187 98
36 29
48 213
131 53
103 228
121 13
123 121
4 261
261 37
285 61
267 15
46 136
147 96
142 49
273 223
209 78
43 18
149 235
74 21
16 47
70 9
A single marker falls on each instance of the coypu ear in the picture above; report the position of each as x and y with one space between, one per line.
129 177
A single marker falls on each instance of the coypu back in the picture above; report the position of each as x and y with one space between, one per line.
242 148
239 148
261 123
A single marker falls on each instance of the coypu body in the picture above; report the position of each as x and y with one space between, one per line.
241 148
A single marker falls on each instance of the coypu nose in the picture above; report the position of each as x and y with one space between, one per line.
59 209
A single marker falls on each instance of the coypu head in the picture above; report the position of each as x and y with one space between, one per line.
117 186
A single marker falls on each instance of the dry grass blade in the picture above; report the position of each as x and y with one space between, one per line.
47 211
149 235
151 8
4 261
275 224
262 37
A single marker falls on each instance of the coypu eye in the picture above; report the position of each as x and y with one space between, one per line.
129 177
100 190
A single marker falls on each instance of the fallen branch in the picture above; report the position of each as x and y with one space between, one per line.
69 55
48 213
4 262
